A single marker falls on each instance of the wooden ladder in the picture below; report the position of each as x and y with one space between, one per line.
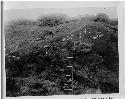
68 85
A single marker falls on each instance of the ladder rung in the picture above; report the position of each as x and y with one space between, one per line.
68 89
69 66
68 75
69 57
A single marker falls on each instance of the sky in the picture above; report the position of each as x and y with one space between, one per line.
32 10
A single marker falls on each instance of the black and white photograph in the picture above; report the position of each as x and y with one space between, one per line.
56 48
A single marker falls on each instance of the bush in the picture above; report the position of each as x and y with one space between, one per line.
50 21
101 17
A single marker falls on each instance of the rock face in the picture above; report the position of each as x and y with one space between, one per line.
42 70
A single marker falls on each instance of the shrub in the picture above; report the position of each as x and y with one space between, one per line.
50 21
101 17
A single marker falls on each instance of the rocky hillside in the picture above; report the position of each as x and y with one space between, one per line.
36 57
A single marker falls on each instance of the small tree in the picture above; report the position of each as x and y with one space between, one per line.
101 17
